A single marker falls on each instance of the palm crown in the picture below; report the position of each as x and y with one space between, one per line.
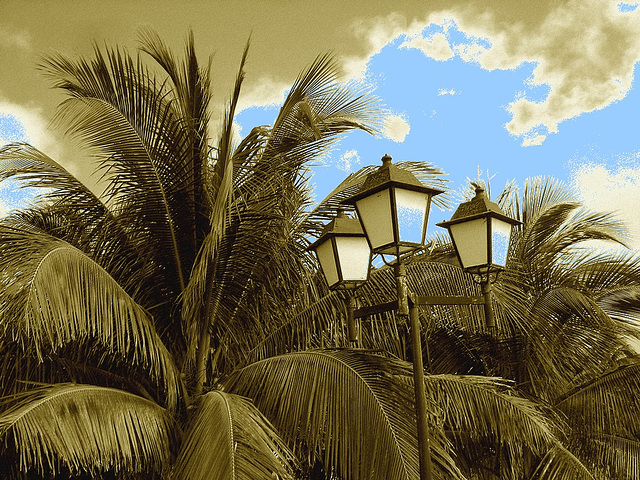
175 326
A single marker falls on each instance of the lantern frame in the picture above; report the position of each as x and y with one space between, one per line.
478 208
392 178
342 226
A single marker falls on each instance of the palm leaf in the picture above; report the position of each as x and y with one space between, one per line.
191 86
54 294
352 409
614 456
119 109
68 210
84 428
560 464
261 266
481 411
198 295
230 439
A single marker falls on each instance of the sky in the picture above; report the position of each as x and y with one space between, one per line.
500 90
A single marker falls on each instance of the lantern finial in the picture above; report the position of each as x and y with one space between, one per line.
386 160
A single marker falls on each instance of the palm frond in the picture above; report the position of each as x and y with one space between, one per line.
354 410
87 429
191 87
560 464
142 143
198 295
482 412
607 404
68 210
54 294
613 456
261 266
230 438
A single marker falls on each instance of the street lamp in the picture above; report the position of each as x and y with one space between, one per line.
481 232
343 252
393 209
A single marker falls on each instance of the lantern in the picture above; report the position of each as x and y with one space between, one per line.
480 232
343 253
393 208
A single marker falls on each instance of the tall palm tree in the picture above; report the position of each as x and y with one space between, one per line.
568 318
175 326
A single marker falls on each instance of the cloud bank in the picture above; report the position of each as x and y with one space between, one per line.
583 51
612 189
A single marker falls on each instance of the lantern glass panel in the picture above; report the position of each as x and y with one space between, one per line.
374 212
412 210
327 260
500 234
354 255
470 238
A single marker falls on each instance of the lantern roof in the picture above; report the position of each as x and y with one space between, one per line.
387 175
479 206
341 225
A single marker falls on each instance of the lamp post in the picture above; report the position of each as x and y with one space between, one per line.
393 210
481 233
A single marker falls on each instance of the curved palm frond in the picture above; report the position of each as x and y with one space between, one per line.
354 410
613 456
141 141
88 429
68 210
54 294
615 395
261 266
245 444
487 419
560 464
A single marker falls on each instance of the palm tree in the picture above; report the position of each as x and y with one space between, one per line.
176 326
567 319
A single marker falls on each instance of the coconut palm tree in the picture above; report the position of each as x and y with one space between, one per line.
175 325
567 321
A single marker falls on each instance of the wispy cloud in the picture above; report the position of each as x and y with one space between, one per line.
396 128
447 91
348 160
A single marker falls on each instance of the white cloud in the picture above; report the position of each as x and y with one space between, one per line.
617 190
396 128
348 160
26 124
447 91
533 140
264 93
435 46
584 51
379 32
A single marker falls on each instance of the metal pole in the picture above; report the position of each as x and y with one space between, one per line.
488 310
418 371
352 331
